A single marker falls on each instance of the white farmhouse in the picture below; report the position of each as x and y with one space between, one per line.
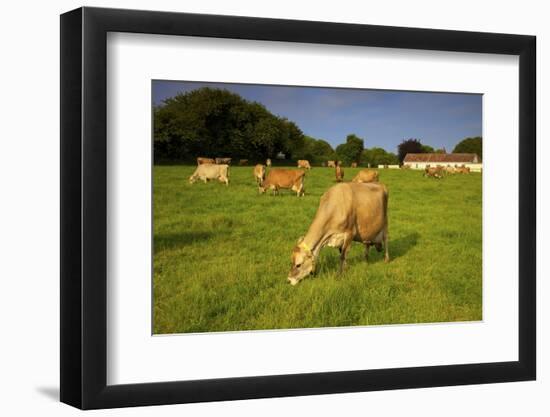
424 160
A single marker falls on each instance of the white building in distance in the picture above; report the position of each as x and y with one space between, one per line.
426 160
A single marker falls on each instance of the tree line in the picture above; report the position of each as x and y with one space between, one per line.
218 123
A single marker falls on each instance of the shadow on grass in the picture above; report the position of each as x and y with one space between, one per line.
168 241
397 248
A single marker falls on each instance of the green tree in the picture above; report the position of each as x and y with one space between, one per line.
378 156
216 122
351 150
427 149
470 145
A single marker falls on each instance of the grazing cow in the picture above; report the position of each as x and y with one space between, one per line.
243 162
366 175
331 164
435 172
268 162
347 212
339 171
354 164
259 173
304 163
283 178
201 160
450 170
226 161
206 172
463 170
405 167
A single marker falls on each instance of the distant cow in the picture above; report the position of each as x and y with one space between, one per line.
243 162
339 172
347 212
366 175
354 164
206 172
304 163
463 170
259 173
405 167
434 172
283 178
226 161
268 162
201 160
331 164
450 170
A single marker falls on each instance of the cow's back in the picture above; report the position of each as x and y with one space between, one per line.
357 207
284 178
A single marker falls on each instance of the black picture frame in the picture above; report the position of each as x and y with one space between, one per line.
84 207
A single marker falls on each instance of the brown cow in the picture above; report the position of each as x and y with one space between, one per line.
226 161
354 164
206 172
339 173
304 163
283 178
243 162
347 212
463 170
202 160
435 172
366 175
259 173
331 164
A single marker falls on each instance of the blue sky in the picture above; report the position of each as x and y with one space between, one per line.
382 118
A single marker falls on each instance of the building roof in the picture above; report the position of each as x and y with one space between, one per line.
448 158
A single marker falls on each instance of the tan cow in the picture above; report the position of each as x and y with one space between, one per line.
283 178
354 164
450 170
259 173
206 172
463 170
435 172
268 162
243 162
347 212
202 160
339 172
226 161
331 164
366 175
304 163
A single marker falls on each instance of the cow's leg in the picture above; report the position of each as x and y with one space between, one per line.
387 253
343 253
367 247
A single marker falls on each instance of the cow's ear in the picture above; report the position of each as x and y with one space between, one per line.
300 239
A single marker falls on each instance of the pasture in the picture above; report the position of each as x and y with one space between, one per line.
222 255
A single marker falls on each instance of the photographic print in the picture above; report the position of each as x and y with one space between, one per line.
292 207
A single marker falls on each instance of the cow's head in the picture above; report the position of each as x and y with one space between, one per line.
192 179
303 262
262 188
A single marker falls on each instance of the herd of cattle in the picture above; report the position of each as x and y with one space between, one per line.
439 171
347 212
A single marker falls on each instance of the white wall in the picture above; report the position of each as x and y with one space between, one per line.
423 165
29 225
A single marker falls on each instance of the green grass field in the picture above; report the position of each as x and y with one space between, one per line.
222 255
